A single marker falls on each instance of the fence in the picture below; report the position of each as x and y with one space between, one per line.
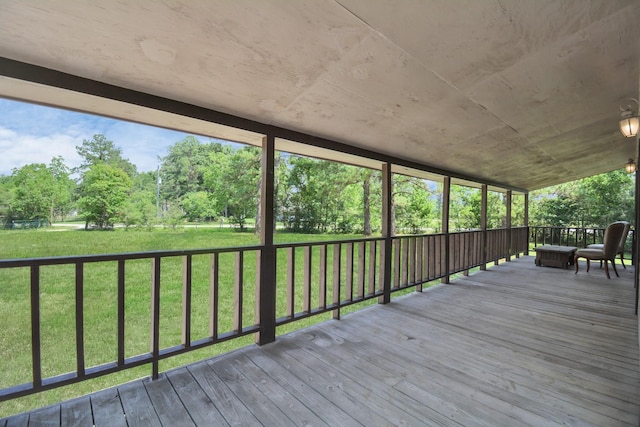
198 298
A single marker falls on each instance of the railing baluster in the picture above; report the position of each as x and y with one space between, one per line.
238 291
121 307
348 289
186 300
291 281
362 259
214 281
80 319
155 315
431 257
396 262
372 267
404 279
412 260
306 305
36 351
322 293
337 271
420 262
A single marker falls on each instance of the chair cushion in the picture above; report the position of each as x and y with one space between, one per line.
596 246
590 253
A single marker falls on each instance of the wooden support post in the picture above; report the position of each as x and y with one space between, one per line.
446 197
387 233
483 225
526 221
636 236
266 291
508 224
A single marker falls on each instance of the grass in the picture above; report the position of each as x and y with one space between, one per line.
57 300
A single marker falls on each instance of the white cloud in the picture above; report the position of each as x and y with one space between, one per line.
31 133
21 149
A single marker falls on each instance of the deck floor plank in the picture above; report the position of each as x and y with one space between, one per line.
231 408
137 405
316 402
107 409
514 345
76 412
329 385
45 417
280 396
387 402
195 400
266 411
19 420
167 403
465 365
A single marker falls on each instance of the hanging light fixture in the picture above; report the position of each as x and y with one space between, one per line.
630 122
630 167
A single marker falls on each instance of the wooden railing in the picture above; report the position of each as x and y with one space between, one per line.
199 298
572 236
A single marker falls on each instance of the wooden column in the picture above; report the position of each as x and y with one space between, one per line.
636 233
266 290
446 197
508 224
526 220
483 224
387 233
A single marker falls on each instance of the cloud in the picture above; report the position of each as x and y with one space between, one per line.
31 133
21 149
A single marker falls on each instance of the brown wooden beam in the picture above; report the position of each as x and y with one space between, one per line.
266 292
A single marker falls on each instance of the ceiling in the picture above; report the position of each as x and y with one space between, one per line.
524 93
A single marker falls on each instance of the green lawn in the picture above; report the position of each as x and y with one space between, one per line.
58 301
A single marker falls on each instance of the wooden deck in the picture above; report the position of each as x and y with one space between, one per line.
515 345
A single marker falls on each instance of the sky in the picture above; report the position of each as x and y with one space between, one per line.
31 133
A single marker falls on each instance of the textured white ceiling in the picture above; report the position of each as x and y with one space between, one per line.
520 92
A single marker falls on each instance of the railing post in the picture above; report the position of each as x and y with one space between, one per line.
526 221
483 224
266 291
36 350
446 197
387 233
508 224
155 316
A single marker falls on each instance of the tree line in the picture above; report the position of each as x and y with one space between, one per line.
215 182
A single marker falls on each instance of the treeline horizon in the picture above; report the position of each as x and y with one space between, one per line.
213 181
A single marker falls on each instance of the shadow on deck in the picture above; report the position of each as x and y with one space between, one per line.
515 345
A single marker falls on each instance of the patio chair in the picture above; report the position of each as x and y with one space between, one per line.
623 242
612 236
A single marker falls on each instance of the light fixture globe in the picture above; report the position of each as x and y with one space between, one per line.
630 122
630 167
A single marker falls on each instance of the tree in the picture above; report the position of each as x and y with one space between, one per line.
140 210
233 179
317 199
104 192
413 203
591 202
371 200
101 150
184 167
6 197
63 189
33 192
198 205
